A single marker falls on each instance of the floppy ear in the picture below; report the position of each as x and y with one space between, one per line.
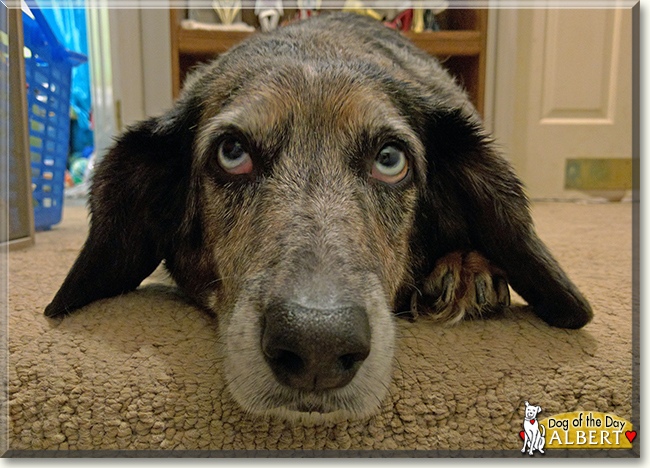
496 217
137 201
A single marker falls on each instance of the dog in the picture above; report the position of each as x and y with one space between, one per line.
533 437
307 187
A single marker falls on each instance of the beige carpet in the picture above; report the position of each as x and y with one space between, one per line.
141 371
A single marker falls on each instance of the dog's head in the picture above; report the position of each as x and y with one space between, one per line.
532 411
305 182
302 187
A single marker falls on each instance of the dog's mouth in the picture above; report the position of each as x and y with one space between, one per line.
309 408
291 403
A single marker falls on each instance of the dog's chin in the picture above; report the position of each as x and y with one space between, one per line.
306 416
313 410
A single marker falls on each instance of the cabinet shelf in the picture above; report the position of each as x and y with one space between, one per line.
206 42
461 48
441 43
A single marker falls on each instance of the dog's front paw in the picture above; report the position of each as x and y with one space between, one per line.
464 285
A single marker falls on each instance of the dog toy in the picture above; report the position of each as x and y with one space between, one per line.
268 12
356 6
307 8
418 17
227 10
403 21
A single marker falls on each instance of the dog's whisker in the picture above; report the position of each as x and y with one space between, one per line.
413 286
418 341
405 374
219 280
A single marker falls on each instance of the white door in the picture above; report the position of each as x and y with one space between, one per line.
563 97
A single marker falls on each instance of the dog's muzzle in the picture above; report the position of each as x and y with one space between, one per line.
315 349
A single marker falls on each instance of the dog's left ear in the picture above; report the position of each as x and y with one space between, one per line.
138 199
465 170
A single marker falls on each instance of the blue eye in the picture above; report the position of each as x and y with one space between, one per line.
233 158
390 165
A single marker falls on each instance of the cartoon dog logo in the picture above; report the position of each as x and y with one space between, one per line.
534 438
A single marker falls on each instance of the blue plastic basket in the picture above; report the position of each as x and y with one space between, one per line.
48 70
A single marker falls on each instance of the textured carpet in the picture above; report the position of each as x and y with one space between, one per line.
141 371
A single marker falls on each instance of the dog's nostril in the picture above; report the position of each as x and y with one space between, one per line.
349 361
291 362
313 349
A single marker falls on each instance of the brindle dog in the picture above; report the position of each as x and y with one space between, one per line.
307 185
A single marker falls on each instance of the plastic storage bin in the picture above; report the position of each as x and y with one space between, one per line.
48 70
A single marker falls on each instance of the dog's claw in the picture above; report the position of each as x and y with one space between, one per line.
480 287
465 285
447 287
503 291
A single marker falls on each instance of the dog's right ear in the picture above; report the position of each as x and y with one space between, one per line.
138 200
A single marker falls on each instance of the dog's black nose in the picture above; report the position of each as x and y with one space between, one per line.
315 349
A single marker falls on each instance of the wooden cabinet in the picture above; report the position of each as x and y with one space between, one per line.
460 46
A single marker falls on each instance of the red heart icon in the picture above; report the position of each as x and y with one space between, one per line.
532 421
522 434
630 435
